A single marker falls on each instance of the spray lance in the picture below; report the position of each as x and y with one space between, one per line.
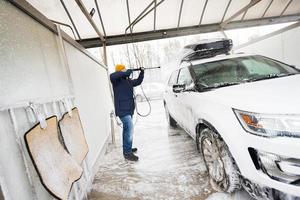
149 112
141 68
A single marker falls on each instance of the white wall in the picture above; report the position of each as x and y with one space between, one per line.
91 87
284 47
31 71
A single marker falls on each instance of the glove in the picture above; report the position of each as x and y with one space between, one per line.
128 72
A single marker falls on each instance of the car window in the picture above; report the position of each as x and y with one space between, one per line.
184 77
173 78
259 67
239 70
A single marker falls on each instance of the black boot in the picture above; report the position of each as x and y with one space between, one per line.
131 157
134 150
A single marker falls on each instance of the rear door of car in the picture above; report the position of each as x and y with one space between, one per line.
170 96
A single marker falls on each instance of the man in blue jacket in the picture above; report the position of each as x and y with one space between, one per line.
124 105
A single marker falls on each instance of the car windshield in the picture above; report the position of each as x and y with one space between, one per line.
239 70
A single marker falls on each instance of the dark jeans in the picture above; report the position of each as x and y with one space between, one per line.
127 133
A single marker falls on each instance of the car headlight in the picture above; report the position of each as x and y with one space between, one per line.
268 125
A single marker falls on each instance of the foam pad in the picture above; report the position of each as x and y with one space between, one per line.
56 168
73 135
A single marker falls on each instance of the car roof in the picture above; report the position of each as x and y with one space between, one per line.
219 57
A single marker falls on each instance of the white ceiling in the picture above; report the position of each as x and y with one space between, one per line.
115 17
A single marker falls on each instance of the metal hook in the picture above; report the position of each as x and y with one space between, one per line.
38 115
67 106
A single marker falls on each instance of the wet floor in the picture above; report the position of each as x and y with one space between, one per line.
169 165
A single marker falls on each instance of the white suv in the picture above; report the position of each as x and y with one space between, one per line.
244 113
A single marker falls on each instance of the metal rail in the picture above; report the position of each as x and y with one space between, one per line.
252 3
154 20
203 11
88 17
225 12
128 15
142 17
191 30
267 9
70 17
139 16
286 7
67 25
180 12
100 17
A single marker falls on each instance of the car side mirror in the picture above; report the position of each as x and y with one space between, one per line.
178 88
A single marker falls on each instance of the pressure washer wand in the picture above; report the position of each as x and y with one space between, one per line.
139 69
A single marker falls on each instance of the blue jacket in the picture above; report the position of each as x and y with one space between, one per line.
123 91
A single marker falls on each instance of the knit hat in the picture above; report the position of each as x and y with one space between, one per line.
119 67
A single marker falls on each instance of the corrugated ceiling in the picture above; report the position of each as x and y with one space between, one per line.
115 14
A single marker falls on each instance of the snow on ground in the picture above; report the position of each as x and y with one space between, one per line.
170 167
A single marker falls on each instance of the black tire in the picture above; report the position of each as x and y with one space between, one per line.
223 172
171 121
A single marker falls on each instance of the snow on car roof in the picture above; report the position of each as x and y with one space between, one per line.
219 57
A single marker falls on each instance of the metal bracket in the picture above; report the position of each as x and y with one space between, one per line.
39 116
67 106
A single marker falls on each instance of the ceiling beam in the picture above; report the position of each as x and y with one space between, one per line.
88 17
192 30
128 15
266 10
139 18
286 7
235 15
100 17
180 12
225 12
203 11
70 18
131 24
154 20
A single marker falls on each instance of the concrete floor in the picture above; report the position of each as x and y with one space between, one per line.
169 167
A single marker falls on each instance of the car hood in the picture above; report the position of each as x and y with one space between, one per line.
273 96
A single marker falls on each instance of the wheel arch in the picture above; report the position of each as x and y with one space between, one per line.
202 125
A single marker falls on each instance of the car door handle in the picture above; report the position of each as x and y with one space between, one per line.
175 95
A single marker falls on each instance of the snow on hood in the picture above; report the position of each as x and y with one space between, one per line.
272 96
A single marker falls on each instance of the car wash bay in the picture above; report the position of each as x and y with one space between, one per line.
47 77
170 167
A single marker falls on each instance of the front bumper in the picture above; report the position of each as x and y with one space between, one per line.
280 173
262 192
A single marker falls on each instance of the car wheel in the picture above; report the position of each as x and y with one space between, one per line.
222 170
171 122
